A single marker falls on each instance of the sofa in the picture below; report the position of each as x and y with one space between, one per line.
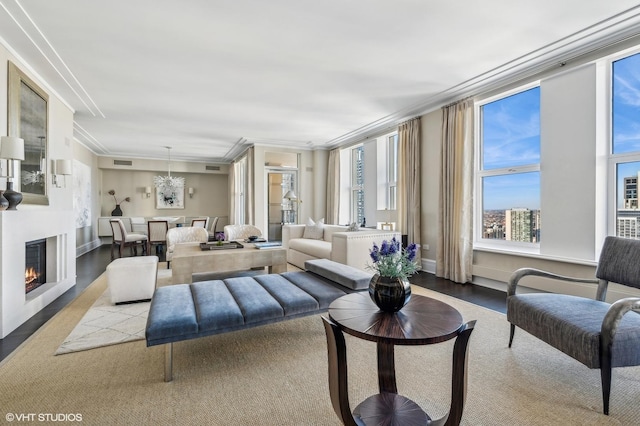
336 243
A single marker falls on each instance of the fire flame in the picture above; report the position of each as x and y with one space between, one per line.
30 275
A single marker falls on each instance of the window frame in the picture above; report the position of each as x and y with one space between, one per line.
614 160
479 174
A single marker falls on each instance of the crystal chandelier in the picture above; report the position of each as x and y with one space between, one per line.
169 185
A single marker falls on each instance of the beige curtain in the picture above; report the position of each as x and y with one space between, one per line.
333 187
250 184
455 244
408 201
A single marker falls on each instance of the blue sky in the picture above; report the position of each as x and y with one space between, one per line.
626 115
511 137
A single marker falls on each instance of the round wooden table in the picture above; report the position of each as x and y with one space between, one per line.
423 321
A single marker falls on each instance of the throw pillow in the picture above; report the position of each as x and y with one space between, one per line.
314 230
353 227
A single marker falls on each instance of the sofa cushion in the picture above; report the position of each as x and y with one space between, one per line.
314 230
316 248
344 275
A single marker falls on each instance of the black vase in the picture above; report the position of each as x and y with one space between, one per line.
117 211
389 294
4 203
13 197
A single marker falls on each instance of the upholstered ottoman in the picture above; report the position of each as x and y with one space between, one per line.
132 279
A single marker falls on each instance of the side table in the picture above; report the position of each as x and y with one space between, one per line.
423 321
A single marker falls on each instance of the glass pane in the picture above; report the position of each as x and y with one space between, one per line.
511 207
627 213
358 166
626 105
511 131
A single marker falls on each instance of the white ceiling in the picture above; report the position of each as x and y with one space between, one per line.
212 77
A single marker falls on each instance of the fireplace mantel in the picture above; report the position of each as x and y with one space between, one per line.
17 228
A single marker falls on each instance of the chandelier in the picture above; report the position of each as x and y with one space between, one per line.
169 185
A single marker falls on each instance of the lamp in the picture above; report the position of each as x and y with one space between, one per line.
60 167
291 213
11 149
191 192
147 191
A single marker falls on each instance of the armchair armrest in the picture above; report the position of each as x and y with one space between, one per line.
523 272
613 317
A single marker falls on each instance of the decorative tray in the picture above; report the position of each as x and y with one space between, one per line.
226 245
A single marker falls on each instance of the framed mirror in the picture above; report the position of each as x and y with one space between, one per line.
28 114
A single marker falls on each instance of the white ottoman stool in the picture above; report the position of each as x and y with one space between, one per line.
132 278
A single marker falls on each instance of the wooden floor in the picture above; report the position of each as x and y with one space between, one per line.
89 266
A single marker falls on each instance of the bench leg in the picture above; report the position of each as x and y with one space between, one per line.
168 362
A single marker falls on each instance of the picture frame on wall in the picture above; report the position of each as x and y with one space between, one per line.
170 198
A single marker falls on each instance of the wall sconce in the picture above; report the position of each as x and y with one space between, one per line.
147 191
191 191
60 168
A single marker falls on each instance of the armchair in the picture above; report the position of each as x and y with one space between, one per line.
189 234
593 332
240 232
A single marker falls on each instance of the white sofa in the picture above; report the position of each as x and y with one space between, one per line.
337 244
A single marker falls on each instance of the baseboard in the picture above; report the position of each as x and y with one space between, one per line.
86 248
428 265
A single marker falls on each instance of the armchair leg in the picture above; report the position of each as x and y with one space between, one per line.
511 333
605 376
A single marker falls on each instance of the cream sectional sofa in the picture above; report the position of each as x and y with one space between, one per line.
337 244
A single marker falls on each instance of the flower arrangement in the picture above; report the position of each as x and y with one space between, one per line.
113 194
219 238
392 261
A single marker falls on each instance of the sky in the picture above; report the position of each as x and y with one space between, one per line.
511 137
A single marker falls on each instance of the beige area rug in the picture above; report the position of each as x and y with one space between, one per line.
107 324
277 375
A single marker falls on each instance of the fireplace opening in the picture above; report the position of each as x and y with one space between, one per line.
35 273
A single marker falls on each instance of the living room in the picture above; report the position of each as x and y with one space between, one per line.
573 77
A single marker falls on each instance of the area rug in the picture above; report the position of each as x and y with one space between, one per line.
277 375
107 324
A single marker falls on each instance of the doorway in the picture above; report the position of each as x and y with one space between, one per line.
282 201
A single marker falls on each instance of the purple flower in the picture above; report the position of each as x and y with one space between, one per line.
411 252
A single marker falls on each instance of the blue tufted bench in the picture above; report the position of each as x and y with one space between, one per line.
188 311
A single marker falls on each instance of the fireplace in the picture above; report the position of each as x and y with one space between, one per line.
35 273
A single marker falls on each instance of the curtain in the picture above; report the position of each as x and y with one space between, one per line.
455 245
333 187
249 215
409 197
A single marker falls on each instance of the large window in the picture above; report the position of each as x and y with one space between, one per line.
625 158
357 184
508 176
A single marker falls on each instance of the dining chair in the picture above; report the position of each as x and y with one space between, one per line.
157 234
122 238
212 228
199 222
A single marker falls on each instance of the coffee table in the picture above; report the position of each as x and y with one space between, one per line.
189 259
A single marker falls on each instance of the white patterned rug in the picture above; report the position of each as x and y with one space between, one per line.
107 324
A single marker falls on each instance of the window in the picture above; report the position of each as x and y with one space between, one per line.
625 147
508 176
392 170
357 184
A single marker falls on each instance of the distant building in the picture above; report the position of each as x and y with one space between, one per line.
631 192
522 224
